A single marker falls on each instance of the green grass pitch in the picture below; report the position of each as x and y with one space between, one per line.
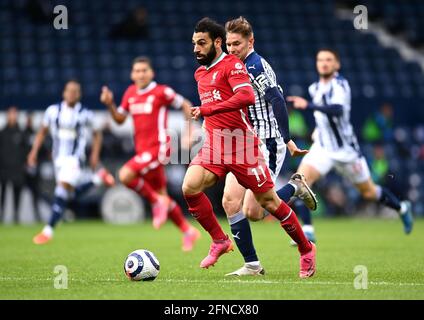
93 254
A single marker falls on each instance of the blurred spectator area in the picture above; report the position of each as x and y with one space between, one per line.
36 59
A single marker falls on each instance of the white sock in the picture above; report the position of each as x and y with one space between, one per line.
48 231
403 207
254 264
308 228
96 180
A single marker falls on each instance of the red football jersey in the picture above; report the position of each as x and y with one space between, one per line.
216 84
149 111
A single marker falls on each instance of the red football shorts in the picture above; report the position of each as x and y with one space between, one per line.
150 169
247 164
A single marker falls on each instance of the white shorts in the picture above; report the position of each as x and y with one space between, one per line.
274 151
68 170
355 168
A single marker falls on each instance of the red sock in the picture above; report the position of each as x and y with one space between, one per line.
291 225
177 216
140 186
200 208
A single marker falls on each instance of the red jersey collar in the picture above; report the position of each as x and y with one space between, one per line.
149 87
219 59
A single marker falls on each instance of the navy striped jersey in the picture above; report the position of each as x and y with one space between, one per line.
334 133
69 128
261 115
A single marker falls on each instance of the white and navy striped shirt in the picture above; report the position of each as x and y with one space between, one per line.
261 114
334 133
69 128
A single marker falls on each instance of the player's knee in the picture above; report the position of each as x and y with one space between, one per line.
189 187
124 177
253 214
369 194
230 204
266 202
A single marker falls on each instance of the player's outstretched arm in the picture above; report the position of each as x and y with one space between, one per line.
106 97
294 150
38 142
187 135
95 149
243 97
276 99
301 103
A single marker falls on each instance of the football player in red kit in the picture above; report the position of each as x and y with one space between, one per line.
231 146
147 102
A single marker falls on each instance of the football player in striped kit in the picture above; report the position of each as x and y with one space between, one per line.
69 123
335 144
270 121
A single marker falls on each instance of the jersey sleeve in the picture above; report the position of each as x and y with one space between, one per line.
91 122
124 107
341 94
172 98
237 74
312 89
48 116
262 76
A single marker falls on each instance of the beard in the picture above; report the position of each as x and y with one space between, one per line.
207 59
327 75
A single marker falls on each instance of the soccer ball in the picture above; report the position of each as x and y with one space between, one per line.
141 265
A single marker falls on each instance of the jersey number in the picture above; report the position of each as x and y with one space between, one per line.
256 173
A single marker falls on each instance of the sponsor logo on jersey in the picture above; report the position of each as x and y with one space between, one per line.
208 96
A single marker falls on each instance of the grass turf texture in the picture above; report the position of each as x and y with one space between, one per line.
94 254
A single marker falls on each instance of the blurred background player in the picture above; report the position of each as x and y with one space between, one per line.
146 101
335 144
225 92
270 121
69 123
12 161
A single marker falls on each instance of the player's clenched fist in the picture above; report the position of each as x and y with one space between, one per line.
106 96
195 113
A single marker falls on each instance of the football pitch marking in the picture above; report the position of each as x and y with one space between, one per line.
225 281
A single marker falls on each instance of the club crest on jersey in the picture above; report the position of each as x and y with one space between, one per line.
215 74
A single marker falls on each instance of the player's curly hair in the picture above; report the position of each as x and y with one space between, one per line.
212 27
240 26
